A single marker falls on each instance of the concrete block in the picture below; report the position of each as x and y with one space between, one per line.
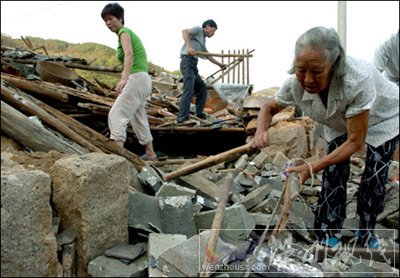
237 223
256 196
103 266
157 244
177 215
172 189
202 185
185 259
144 212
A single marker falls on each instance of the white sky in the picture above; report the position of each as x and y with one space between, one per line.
269 27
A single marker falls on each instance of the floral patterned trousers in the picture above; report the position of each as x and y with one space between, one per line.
330 212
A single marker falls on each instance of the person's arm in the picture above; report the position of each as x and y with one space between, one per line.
264 118
128 61
186 38
211 59
357 128
380 58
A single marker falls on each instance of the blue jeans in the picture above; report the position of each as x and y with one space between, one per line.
192 85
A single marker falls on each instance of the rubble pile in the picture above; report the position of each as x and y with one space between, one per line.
76 204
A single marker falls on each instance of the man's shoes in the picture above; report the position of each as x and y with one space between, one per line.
185 122
148 158
202 116
331 242
180 121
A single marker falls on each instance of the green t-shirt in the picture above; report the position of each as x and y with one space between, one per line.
139 53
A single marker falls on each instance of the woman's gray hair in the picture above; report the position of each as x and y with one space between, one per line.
325 39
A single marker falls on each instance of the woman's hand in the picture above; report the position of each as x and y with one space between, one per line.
260 140
120 86
303 171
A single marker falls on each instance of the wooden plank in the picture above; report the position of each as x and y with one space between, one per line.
33 87
33 136
17 98
101 142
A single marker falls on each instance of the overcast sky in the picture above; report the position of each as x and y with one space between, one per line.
269 27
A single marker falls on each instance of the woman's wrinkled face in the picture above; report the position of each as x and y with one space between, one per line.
113 23
312 70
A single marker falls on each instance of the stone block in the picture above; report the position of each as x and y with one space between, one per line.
185 259
103 266
256 196
202 186
157 244
28 243
237 224
171 189
144 212
177 215
90 193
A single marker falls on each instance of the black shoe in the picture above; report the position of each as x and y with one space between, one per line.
179 121
202 116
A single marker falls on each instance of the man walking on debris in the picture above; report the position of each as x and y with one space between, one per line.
357 105
195 40
134 86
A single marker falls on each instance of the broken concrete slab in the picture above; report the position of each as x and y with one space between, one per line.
144 212
157 244
185 259
237 224
65 237
256 196
104 266
202 186
171 189
177 215
125 251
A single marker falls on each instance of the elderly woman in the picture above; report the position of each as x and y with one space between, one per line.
356 105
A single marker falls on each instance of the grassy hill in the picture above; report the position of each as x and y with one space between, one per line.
94 53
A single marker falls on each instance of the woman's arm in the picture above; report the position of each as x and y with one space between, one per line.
357 128
128 61
268 110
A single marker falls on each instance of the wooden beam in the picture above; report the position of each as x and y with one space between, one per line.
103 143
34 87
16 98
33 136
210 161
